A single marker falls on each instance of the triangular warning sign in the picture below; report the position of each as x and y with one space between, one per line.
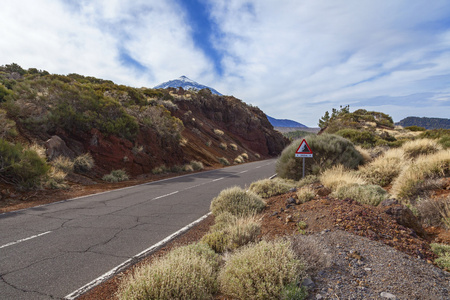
303 150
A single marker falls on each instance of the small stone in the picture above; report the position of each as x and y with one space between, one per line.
319 296
308 283
367 269
288 206
274 214
388 295
290 200
325 231
289 219
292 190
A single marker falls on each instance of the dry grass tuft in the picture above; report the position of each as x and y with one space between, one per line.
367 157
261 271
63 163
383 169
267 188
365 194
188 272
218 132
412 178
237 202
413 149
338 176
305 194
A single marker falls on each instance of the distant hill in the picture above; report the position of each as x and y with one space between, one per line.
428 123
285 123
186 84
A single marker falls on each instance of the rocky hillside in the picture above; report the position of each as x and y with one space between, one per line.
137 130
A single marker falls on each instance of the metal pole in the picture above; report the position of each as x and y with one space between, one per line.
303 167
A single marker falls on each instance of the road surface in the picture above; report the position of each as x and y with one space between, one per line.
56 250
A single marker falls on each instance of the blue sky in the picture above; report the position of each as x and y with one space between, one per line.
294 59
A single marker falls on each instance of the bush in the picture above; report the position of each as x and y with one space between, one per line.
308 179
21 166
224 161
188 272
234 147
63 163
244 155
309 249
338 176
305 194
83 163
233 235
364 194
267 188
415 128
237 202
56 179
358 137
188 168
329 150
443 251
218 132
197 165
367 157
223 146
433 212
413 149
260 271
385 168
116 176
238 160
160 170
411 179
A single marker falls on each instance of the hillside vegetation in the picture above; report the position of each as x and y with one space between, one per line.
427 123
123 131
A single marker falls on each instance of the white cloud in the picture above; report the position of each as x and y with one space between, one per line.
293 59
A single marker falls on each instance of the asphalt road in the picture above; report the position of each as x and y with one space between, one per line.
51 251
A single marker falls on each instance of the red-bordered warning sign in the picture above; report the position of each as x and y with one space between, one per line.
303 150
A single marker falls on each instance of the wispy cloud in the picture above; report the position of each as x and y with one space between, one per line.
293 59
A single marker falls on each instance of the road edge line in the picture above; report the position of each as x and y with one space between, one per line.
131 261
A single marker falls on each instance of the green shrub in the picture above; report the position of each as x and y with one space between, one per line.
116 176
415 128
293 292
328 150
260 271
197 165
223 220
21 166
188 272
83 163
267 188
443 251
237 202
224 161
7 127
358 137
160 170
365 194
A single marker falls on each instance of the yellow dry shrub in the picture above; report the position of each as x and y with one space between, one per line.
364 153
338 176
425 167
414 148
383 169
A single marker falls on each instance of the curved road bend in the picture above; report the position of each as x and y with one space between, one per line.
51 251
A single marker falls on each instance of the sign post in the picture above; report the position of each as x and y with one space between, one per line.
303 151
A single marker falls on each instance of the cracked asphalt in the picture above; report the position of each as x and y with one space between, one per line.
50 251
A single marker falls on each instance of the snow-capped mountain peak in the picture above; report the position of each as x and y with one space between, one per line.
186 84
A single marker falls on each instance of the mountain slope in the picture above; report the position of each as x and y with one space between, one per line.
427 123
186 84
285 123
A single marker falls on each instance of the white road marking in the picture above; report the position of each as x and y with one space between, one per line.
130 261
217 179
166 195
25 239
245 171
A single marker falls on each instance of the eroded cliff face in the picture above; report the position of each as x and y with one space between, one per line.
214 127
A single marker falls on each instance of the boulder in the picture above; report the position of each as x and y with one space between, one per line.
55 146
405 217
